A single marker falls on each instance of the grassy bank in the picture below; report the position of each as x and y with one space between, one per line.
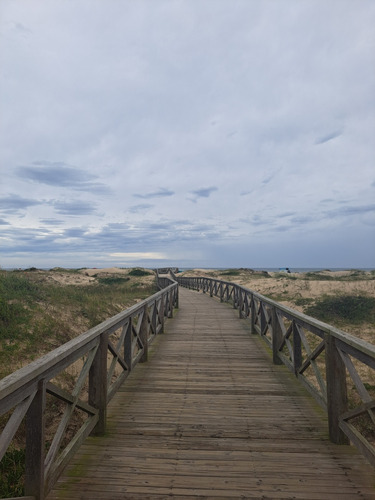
40 310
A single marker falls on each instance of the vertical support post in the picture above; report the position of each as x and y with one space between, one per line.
297 350
162 313
177 304
143 333
170 298
98 384
277 336
166 304
128 345
337 398
263 321
253 315
35 445
247 308
240 303
154 318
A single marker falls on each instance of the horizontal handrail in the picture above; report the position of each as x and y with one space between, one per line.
324 359
105 355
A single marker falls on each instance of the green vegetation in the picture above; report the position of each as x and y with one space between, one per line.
300 301
242 272
18 297
12 470
38 313
113 280
139 272
353 275
353 308
231 272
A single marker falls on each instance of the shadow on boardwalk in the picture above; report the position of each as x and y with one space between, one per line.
210 416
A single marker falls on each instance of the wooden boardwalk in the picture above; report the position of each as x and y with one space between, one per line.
210 416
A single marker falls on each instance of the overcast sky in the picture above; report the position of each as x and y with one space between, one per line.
195 133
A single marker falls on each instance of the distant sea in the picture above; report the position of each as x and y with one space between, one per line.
292 269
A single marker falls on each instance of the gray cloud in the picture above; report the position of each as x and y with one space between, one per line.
52 222
61 175
76 207
143 207
268 179
350 210
202 193
14 204
302 219
75 232
328 137
4 222
156 194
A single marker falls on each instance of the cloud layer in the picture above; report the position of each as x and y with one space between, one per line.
218 133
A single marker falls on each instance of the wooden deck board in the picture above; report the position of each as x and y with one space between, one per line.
209 416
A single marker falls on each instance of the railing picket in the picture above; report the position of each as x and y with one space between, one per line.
277 337
35 444
143 333
297 349
337 398
98 384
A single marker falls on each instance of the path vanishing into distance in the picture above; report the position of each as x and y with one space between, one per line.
210 416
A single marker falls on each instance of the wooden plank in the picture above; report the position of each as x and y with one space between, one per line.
210 416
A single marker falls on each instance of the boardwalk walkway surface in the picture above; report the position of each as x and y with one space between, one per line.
209 416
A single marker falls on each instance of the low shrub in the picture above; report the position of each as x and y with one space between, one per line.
12 470
139 272
113 280
231 272
353 308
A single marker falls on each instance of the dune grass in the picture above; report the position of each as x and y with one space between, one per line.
37 313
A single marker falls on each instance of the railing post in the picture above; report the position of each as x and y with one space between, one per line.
162 313
170 305
240 302
297 350
247 308
277 336
154 318
128 345
35 445
165 303
337 398
98 384
253 315
143 333
263 320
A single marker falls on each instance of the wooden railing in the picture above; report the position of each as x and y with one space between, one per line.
330 363
99 360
